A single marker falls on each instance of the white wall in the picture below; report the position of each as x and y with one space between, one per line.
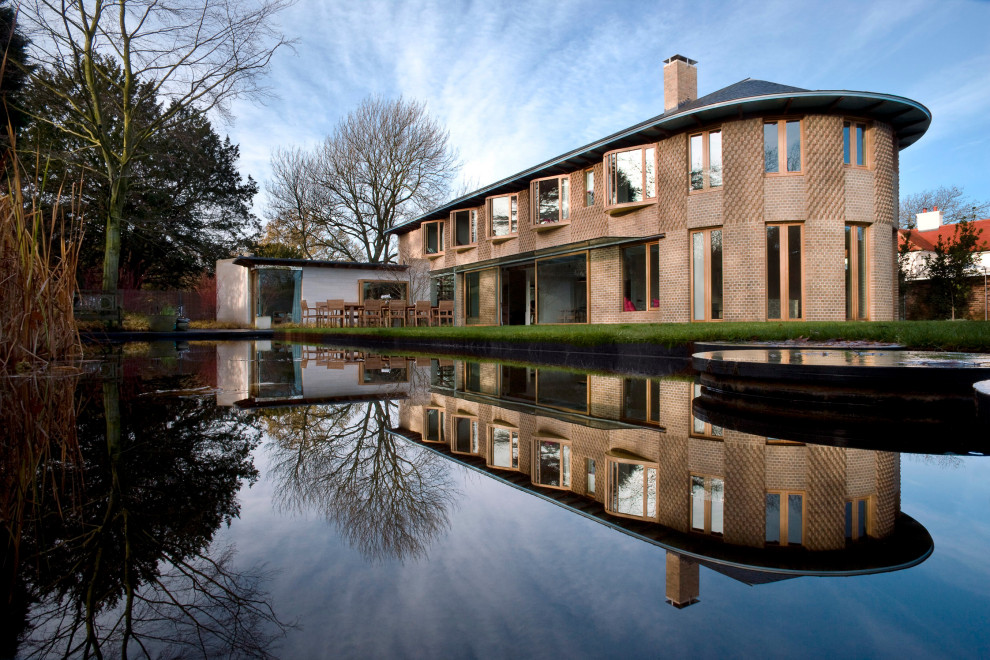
233 294
233 368
322 284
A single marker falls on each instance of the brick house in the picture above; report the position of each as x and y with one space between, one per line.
921 244
707 212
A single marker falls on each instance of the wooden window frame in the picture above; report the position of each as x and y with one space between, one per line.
782 145
500 238
441 238
870 517
472 230
707 525
652 384
854 268
649 195
535 401
783 513
785 273
441 424
709 432
475 440
611 461
851 123
590 475
361 284
589 175
563 210
538 439
361 372
587 288
707 233
467 307
513 438
706 162
649 276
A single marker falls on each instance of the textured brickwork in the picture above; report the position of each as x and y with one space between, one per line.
745 495
888 503
672 177
883 269
786 467
824 505
744 251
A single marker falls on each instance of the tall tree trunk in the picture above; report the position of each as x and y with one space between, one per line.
111 250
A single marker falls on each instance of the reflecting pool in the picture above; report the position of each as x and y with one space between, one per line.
256 499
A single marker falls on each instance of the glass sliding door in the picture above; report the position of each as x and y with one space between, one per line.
562 289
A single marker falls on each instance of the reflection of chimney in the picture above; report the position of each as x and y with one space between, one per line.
680 81
929 220
683 582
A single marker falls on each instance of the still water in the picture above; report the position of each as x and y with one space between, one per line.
253 499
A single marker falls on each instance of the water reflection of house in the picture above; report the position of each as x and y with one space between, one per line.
629 452
267 374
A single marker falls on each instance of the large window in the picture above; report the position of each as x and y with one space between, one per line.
782 146
504 214
434 426
641 277
589 187
562 289
384 290
441 288
552 197
707 504
465 435
784 281
641 400
856 273
859 514
504 452
706 160
472 297
465 227
562 389
630 177
706 275
433 238
552 466
785 518
632 488
854 143
699 427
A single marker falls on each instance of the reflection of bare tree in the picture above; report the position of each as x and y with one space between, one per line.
388 497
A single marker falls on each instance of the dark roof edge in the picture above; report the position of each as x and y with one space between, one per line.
314 263
658 122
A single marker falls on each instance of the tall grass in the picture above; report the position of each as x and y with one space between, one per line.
39 253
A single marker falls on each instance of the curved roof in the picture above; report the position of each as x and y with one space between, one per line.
744 99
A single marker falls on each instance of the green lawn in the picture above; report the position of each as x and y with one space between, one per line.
941 335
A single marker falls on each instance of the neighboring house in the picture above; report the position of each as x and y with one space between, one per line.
757 202
258 291
921 246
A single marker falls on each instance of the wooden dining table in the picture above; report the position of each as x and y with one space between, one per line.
352 314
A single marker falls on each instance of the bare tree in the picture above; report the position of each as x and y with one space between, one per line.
950 199
384 163
184 54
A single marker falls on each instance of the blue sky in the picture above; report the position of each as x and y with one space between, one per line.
519 82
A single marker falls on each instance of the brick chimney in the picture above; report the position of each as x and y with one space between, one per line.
680 82
683 583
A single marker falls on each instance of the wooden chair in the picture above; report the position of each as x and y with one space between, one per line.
396 312
321 313
308 312
443 311
423 311
335 313
373 313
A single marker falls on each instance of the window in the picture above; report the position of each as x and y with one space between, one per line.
465 435
707 504
472 297
383 290
785 518
552 197
442 373
854 143
433 238
504 448
856 273
562 289
472 377
859 518
632 487
465 228
641 400
589 187
553 463
441 288
782 146
504 214
784 281
706 160
641 277
701 428
630 177
434 426
706 275
591 476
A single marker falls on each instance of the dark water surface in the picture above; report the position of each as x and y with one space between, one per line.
249 499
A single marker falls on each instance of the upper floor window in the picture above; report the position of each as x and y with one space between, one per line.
504 451
433 237
589 187
553 463
465 227
630 176
504 214
854 143
552 200
641 277
632 487
782 146
434 426
465 435
706 160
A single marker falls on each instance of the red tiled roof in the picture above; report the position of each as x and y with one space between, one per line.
926 240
